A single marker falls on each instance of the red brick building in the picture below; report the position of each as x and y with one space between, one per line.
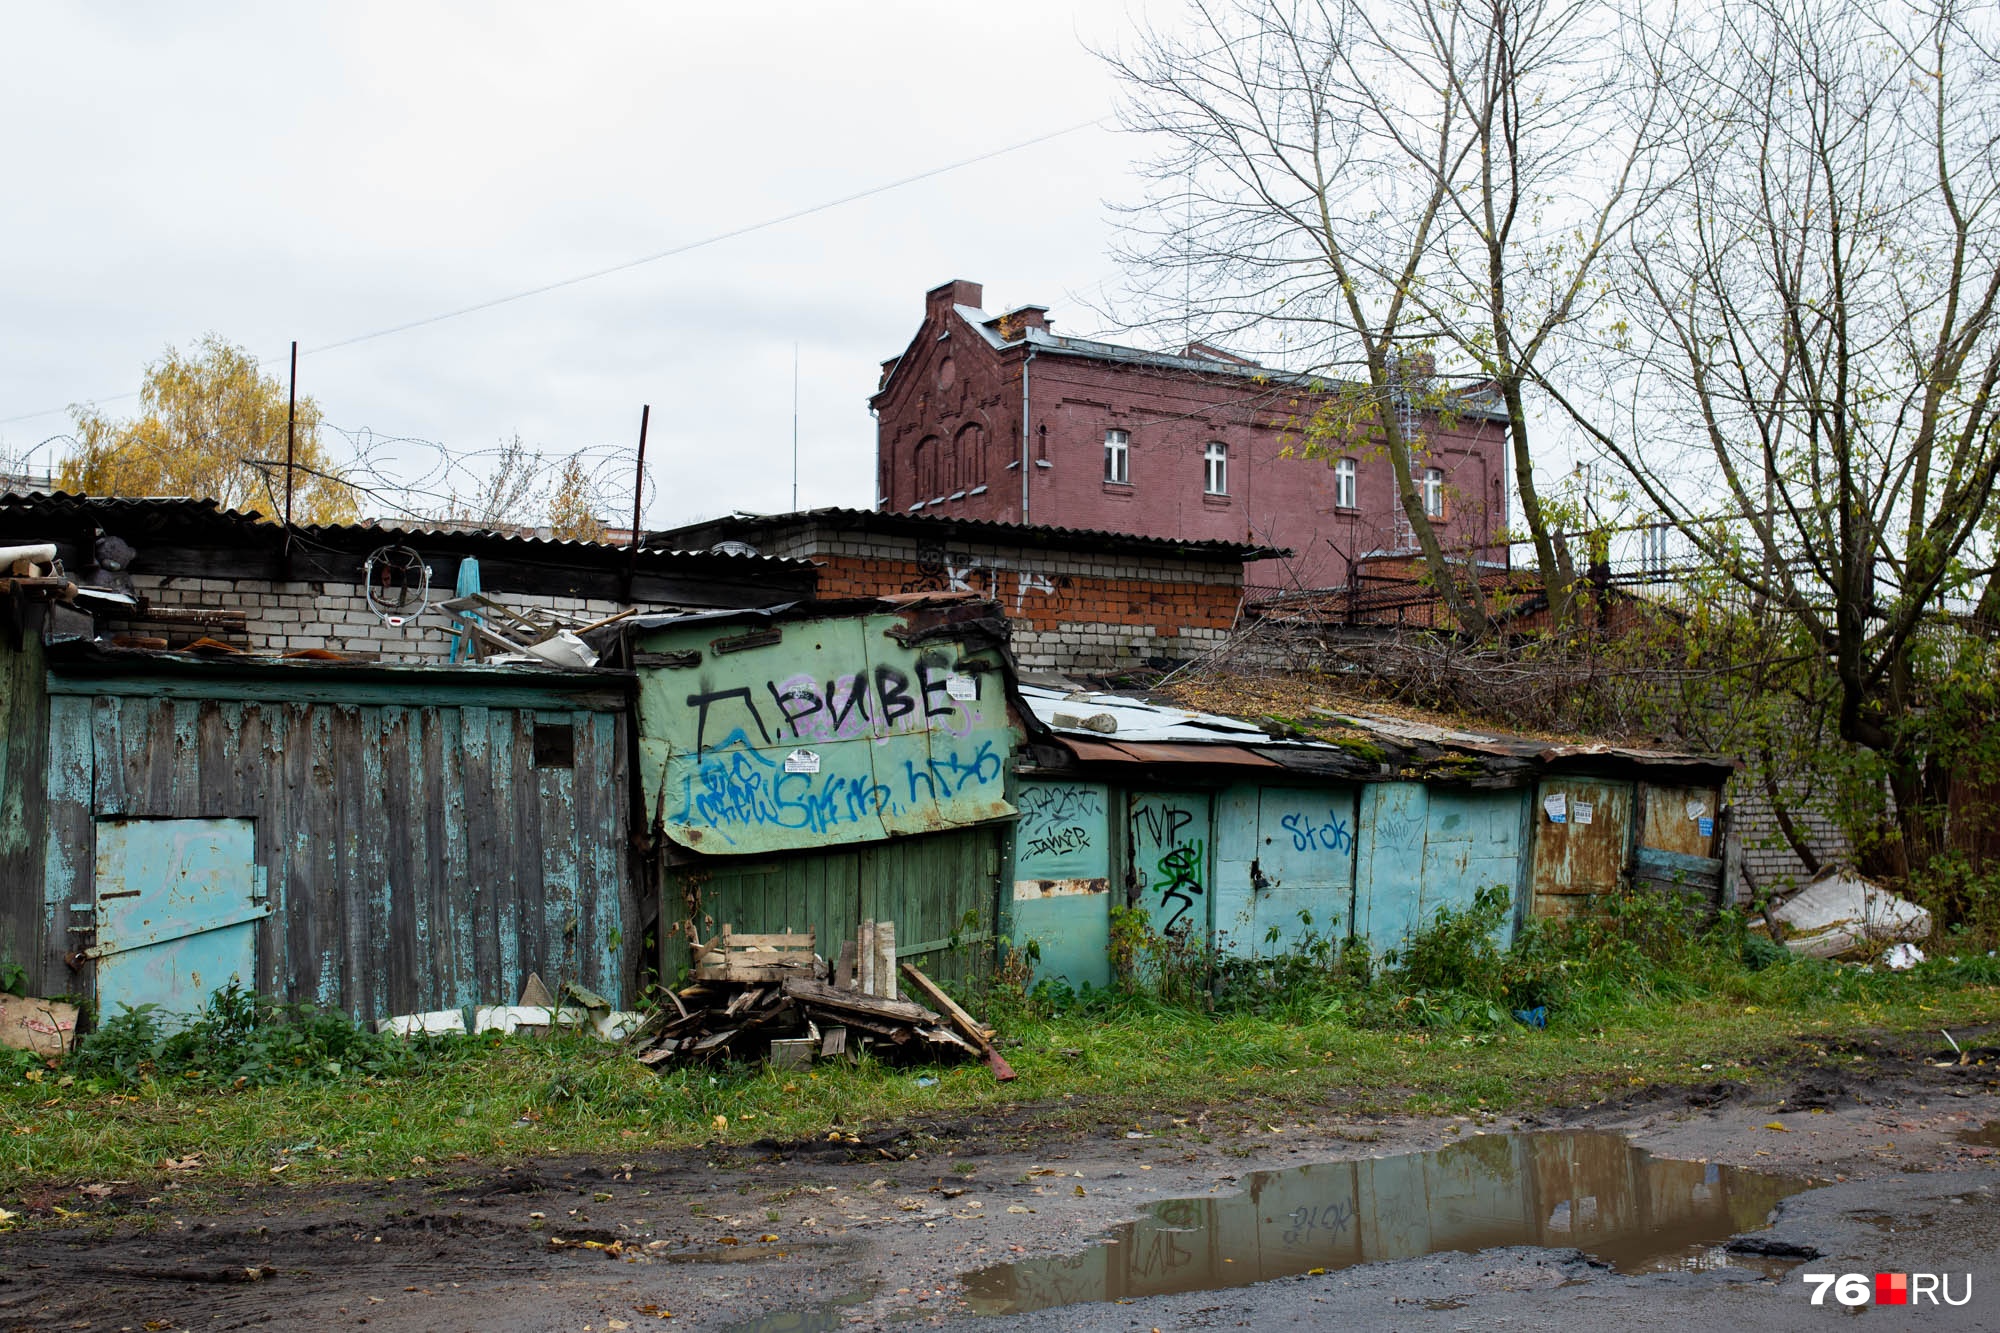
1078 601
1186 447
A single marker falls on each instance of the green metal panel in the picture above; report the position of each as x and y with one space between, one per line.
1170 838
942 891
1062 880
818 732
1423 848
1389 870
1284 866
1472 841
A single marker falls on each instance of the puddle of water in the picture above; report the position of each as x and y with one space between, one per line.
822 1318
1986 1136
1595 1192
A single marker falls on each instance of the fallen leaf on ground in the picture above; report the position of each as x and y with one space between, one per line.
1782 1129
191 1162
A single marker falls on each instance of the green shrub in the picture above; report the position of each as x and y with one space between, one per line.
244 1040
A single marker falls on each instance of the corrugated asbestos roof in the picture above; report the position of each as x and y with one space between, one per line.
737 526
186 517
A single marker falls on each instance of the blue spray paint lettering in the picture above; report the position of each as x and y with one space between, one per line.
1310 835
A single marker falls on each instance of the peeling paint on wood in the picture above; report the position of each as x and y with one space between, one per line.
415 857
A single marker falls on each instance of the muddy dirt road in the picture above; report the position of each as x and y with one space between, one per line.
840 1234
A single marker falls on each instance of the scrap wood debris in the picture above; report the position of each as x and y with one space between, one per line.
771 997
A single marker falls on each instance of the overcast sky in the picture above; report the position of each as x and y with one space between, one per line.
320 171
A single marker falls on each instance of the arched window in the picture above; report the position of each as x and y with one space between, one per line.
1215 468
971 456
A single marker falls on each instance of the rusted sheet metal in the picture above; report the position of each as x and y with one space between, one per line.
1583 831
414 855
836 730
1231 755
1679 819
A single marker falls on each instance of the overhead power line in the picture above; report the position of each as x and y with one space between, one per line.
643 260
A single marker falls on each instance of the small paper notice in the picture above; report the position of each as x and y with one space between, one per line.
1707 827
1582 811
1558 807
802 761
961 686
1695 808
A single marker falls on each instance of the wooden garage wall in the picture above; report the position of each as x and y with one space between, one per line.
415 855
942 890
24 735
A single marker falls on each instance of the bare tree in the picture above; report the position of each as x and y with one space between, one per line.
1388 183
510 493
1810 350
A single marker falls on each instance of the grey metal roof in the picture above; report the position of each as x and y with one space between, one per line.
1471 404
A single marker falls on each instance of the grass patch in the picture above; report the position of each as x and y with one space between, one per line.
260 1094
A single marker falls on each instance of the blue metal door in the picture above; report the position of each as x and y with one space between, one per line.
177 903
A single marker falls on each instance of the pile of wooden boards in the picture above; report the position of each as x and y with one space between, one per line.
769 997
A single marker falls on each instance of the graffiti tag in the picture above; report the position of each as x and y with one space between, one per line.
1309 834
1179 882
1325 1221
1071 838
1044 806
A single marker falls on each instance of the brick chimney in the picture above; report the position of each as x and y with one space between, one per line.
939 300
1016 322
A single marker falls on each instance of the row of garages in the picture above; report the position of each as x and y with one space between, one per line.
390 839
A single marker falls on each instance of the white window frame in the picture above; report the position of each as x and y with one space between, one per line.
1118 457
1345 487
1433 492
1215 468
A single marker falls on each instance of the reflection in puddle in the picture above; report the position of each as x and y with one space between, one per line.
1594 1192
1986 1136
821 1318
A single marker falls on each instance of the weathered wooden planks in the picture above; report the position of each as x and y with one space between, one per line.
415 857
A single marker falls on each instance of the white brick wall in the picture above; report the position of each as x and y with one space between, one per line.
287 617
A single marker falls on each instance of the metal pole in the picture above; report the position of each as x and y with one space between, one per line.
795 428
291 422
1026 362
638 495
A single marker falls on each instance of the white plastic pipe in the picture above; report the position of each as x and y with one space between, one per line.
43 554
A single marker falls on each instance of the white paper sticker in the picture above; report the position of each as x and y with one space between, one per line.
1558 807
1582 811
961 686
802 761
1695 808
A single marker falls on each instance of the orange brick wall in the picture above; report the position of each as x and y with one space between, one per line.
1050 602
